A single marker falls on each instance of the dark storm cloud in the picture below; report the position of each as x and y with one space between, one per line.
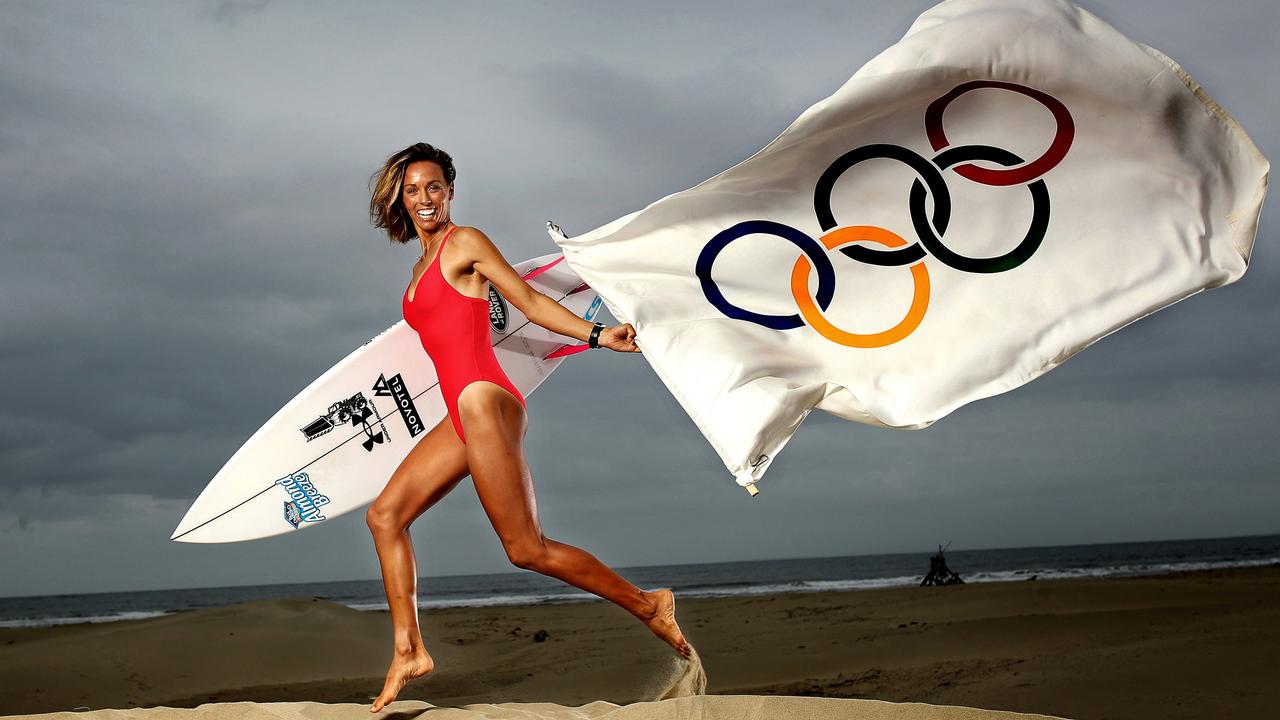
182 216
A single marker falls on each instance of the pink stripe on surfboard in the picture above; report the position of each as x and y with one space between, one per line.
566 350
538 271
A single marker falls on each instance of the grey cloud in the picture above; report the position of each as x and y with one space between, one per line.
232 12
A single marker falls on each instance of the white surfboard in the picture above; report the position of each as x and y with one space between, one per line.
333 447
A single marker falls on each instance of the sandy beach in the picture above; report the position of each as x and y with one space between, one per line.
1194 645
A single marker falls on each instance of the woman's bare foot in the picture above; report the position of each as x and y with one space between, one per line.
404 667
663 621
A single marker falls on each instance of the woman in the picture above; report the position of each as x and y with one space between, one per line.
446 302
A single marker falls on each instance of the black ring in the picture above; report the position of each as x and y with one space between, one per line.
928 171
1012 259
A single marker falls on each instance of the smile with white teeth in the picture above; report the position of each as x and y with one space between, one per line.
426 214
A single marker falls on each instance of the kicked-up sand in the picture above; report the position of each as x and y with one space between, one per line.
708 707
1194 645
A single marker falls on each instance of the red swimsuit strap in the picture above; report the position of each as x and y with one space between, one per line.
446 237
443 240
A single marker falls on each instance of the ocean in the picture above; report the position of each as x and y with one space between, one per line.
760 577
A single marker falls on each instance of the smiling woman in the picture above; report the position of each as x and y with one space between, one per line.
445 303
386 212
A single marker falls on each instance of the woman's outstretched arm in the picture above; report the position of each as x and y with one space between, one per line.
540 309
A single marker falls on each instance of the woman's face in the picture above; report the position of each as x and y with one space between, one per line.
426 195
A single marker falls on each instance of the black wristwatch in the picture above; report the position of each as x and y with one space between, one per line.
594 340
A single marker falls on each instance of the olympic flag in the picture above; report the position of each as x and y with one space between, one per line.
1010 182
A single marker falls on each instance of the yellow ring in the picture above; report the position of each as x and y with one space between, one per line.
812 315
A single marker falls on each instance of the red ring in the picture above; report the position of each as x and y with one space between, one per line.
1011 176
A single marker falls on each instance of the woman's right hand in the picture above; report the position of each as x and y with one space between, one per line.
620 338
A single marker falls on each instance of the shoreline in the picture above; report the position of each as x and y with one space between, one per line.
571 595
1190 644
695 579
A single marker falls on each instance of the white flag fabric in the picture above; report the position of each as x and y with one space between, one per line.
1010 182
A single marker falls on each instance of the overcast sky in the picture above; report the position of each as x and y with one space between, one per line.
185 246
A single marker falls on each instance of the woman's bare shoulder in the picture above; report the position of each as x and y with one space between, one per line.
466 232
473 241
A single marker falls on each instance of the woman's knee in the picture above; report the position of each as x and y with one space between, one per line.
382 520
527 554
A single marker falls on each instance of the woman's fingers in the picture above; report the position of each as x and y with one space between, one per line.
620 338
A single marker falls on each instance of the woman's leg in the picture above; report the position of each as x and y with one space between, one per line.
432 468
495 423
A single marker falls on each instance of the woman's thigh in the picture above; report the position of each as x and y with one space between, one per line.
435 465
495 424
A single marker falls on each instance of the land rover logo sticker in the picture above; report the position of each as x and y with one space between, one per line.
497 311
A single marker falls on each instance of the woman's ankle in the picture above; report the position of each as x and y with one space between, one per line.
408 642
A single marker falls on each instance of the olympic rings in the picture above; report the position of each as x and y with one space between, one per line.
932 177
809 246
929 228
1041 165
1010 260
811 314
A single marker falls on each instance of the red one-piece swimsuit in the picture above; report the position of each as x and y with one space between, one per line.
454 329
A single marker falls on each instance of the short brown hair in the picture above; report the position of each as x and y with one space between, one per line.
385 209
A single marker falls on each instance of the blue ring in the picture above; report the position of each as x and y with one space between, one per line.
810 247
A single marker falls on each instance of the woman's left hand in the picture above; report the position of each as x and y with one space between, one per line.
621 338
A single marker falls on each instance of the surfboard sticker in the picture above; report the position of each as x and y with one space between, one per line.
333 447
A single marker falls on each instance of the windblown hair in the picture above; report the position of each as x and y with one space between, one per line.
386 211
